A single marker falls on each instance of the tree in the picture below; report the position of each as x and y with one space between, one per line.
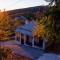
53 1
45 29
54 12
39 29
6 26
5 53
18 22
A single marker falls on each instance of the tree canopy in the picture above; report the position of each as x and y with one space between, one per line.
53 1
6 25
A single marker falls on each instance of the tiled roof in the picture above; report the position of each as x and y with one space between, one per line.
27 28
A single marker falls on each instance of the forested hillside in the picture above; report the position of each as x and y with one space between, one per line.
32 11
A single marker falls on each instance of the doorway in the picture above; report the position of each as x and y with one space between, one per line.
38 42
22 39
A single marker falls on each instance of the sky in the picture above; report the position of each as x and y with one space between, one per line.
17 4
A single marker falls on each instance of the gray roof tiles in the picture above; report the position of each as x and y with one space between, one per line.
27 28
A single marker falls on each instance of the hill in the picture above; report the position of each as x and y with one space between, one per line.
28 11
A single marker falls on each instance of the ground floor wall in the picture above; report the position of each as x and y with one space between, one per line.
30 41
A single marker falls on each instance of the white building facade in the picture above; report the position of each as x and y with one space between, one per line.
24 35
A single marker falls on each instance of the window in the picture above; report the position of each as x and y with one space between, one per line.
38 42
18 38
22 39
28 40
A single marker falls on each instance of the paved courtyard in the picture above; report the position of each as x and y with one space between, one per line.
22 50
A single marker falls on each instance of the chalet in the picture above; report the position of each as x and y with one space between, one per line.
24 35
